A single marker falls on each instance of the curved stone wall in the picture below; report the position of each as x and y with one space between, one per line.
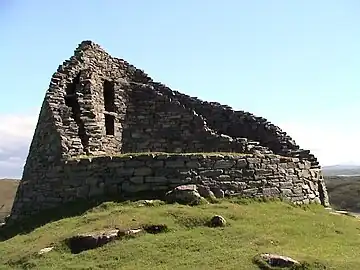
130 175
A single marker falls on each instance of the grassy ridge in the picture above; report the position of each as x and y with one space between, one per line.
306 233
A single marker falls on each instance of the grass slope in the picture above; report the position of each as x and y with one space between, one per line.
308 233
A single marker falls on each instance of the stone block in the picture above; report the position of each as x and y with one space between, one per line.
211 173
134 164
124 171
286 191
224 177
143 171
137 180
156 179
235 173
128 187
174 164
241 163
224 164
193 164
270 192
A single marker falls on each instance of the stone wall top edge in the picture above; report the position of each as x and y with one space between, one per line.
164 155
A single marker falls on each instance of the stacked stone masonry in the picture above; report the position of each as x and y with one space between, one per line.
246 175
98 105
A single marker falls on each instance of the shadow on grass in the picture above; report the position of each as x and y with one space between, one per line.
66 210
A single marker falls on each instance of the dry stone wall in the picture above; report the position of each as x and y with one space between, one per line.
98 105
128 176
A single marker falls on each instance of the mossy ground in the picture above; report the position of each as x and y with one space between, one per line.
307 233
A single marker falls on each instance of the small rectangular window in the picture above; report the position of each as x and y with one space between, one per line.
109 124
109 96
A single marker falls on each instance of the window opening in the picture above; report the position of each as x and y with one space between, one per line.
72 102
109 96
109 124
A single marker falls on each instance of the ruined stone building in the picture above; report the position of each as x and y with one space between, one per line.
98 107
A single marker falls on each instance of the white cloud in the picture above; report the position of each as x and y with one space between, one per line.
330 145
16 132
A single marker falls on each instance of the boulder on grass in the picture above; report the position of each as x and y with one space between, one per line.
217 221
274 261
205 192
184 194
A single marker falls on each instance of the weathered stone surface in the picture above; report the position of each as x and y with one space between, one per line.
100 106
45 250
274 260
218 192
84 242
185 194
205 192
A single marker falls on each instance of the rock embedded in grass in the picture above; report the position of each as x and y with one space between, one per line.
217 221
154 229
82 242
275 261
45 250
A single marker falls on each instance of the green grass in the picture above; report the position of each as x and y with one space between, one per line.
307 233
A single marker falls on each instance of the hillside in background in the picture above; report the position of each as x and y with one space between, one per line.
344 192
341 170
8 189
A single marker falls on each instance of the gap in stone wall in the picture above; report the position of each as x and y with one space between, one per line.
109 124
109 96
109 106
72 102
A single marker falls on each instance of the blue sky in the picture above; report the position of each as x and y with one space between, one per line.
293 62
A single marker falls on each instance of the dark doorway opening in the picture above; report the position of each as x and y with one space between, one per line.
72 102
109 96
109 124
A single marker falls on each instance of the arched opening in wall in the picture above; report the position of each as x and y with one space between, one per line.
72 102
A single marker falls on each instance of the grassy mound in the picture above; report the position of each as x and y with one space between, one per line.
308 234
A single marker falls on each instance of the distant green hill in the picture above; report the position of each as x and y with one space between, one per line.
344 192
8 189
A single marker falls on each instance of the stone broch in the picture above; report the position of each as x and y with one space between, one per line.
98 107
